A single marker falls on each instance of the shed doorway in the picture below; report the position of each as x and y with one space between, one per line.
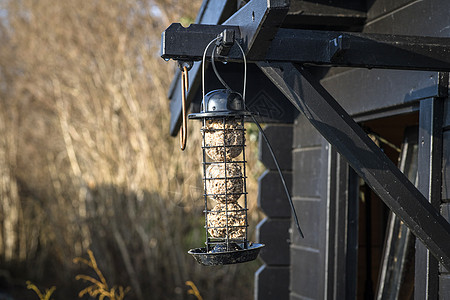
385 262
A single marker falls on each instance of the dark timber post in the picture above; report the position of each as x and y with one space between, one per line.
429 174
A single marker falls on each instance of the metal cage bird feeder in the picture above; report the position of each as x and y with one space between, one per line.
224 170
224 178
223 113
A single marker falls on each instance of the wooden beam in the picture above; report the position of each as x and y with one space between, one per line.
371 164
251 19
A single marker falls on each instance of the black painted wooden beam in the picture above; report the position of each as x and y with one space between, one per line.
385 179
320 47
252 19
258 23
332 14
211 12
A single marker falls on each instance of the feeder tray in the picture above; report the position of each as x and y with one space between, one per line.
218 257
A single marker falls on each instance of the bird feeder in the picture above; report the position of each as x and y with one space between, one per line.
224 179
223 113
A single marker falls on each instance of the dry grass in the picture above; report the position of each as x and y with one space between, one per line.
193 290
86 161
99 287
42 296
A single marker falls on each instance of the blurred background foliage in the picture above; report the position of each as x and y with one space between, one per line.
86 161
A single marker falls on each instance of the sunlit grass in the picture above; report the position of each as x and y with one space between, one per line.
193 290
99 286
42 296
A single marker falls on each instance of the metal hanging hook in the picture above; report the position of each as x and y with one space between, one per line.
184 89
218 47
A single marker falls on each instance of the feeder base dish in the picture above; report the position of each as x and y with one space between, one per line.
220 248
214 258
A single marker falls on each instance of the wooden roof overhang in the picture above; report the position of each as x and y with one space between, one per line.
280 55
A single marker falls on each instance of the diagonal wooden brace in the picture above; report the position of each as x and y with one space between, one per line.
385 179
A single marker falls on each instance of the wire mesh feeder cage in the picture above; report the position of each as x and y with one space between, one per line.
224 178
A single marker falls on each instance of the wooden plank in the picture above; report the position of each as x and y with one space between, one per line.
280 137
310 200
351 267
361 91
305 135
356 8
331 208
445 212
446 123
446 167
424 18
326 14
327 231
306 273
444 287
272 283
342 234
383 89
429 167
378 8
312 220
274 233
307 178
215 11
272 199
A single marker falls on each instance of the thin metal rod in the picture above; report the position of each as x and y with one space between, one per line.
204 186
281 176
245 71
203 72
224 140
245 182
213 63
221 79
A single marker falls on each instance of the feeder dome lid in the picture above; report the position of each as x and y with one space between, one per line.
223 100
220 103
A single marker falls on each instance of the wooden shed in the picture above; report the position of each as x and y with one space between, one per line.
355 93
